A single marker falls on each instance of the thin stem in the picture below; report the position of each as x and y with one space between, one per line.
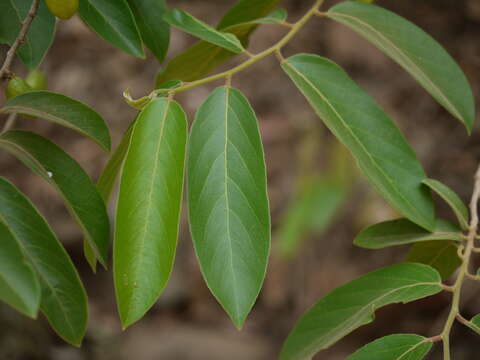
457 287
10 122
5 72
295 28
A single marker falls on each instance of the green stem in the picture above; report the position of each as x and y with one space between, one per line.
457 287
295 28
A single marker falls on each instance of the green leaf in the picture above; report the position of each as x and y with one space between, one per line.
403 231
113 21
106 183
19 285
353 305
394 347
441 255
61 110
277 16
155 32
198 28
148 210
312 210
474 324
228 203
414 50
40 34
203 57
61 171
452 199
363 127
63 301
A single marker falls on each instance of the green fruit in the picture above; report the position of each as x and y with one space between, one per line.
16 86
64 9
36 80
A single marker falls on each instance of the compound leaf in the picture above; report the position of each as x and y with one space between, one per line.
65 174
414 50
353 305
63 300
228 204
62 110
148 209
363 127
394 347
403 231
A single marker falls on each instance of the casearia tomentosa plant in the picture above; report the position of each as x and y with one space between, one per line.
224 168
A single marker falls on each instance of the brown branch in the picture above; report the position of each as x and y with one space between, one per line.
5 72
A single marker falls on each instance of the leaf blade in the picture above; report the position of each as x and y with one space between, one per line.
452 199
441 255
402 231
353 305
63 301
412 48
394 347
113 21
61 171
19 286
361 127
189 24
148 209
62 110
227 182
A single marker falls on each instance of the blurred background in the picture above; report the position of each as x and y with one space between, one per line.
318 199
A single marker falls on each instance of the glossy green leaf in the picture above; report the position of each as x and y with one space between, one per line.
474 324
403 231
312 210
61 110
63 300
363 127
191 25
60 170
228 203
148 210
19 285
414 50
394 347
353 305
441 255
277 16
155 32
203 57
452 199
40 34
113 21
106 183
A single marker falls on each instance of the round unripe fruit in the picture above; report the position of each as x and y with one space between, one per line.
63 9
16 86
36 80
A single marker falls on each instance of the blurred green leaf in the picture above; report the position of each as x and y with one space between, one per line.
452 199
245 11
353 305
155 32
19 285
148 210
394 347
61 110
363 127
63 301
441 255
40 34
113 21
277 16
403 231
60 170
191 25
414 50
227 199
